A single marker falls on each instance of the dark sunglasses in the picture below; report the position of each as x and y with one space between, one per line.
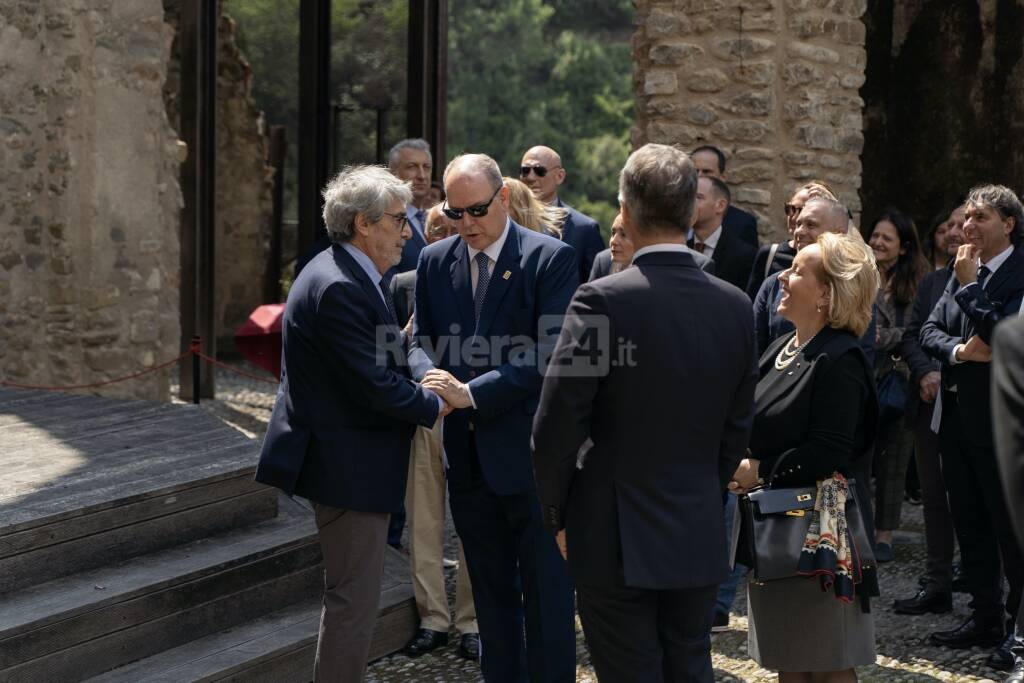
792 209
539 171
476 211
400 218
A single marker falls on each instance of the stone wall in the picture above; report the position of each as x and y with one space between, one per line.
89 201
774 83
244 180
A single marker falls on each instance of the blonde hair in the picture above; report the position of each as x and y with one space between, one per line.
532 213
852 279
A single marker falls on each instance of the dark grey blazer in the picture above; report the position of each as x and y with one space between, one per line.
603 264
1007 409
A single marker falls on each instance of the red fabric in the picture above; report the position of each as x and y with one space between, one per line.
259 338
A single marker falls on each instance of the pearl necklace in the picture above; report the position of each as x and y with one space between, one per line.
787 353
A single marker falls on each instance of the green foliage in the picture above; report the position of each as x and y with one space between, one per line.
521 73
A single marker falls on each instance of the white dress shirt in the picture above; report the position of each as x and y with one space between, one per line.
992 265
493 252
710 243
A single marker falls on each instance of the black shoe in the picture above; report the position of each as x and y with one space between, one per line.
883 552
720 623
469 646
1017 675
424 641
924 602
1002 658
969 634
959 580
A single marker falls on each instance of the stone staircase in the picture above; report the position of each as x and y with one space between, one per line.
135 546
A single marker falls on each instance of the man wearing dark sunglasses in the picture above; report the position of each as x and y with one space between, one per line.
542 172
488 311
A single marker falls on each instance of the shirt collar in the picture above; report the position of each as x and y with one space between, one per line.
494 250
712 241
997 260
364 262
664 246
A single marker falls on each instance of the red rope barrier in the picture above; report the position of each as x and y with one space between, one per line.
193 349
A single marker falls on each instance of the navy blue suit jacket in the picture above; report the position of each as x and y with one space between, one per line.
583 234
345 411
533 280
742 223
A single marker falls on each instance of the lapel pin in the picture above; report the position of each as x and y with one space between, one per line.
507 275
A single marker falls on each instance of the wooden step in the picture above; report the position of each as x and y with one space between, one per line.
276 648
88 623
91 481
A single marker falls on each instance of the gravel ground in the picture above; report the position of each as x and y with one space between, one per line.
904 653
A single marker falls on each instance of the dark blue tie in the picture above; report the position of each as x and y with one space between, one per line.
388 301
483 277
421 216
983 274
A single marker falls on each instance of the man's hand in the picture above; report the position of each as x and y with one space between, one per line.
928 387
975 350
407 330
966 265
562 548
447 387
745 477
446 408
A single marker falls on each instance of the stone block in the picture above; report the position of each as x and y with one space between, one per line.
701 115
754 154
749 103
801 73
109 361
814 53
662 23
707 80
702 25
662 108
851 140
741 131
143 328
853 80
751 173
660 83
749 195
816 137
829 161
675 54
754 73
671 134
741 48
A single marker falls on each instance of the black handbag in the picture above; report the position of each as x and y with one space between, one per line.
771 525
892 393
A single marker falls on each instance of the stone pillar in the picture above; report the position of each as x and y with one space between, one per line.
773 83
90 199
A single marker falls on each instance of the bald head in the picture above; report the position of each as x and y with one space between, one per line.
543 172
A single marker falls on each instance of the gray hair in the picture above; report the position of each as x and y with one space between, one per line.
478 163
658 185
418 144
368 190
1004 201
837 218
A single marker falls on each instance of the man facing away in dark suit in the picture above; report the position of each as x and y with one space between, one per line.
345 412
711 237
987 287
489 306
1007 409
411 161
710 161
543 173
642 515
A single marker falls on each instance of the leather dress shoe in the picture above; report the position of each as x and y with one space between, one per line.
925 602
423 641
969 634
1017 675
469 646
1002 658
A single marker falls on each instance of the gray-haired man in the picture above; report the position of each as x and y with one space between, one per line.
345 413
411 161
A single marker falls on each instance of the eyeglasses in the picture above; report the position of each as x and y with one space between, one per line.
792 209
476 211
539 171
400 218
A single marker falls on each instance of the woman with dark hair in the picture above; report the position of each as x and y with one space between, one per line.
901 266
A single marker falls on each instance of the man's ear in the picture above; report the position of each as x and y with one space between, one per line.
559 176
362 225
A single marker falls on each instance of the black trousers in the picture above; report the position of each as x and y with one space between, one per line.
980 519
938 523
648 635
520 581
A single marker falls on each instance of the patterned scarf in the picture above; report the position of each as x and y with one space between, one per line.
829 552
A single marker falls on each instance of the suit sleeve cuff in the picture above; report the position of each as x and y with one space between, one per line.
469 390
953 360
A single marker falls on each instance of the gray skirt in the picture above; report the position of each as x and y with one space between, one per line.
793 625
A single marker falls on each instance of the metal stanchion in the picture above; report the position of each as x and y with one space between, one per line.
196 344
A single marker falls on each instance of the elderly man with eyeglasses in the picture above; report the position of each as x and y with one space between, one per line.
543 173
489 304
